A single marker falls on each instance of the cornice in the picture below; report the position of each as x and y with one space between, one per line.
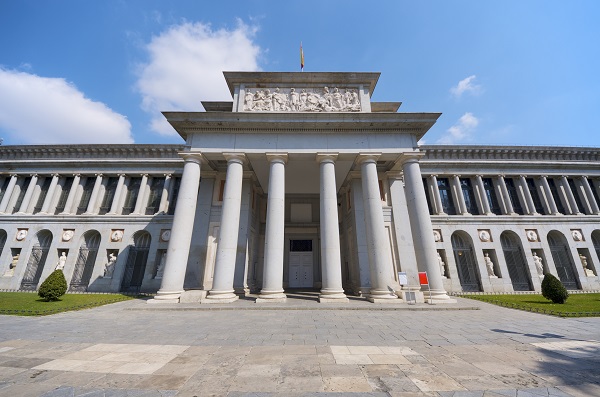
87 152
451 153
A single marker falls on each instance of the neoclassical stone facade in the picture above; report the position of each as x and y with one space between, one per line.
300 182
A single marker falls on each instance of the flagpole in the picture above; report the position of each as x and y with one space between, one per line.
301 58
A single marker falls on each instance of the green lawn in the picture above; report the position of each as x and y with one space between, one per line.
30 304
578 305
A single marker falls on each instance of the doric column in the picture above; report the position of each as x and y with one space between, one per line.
331 262
422 230
272 288
508 207
8 193
91 208
114 207
28 194
178 249
71 196
377 244
435 190
141 198
163 207
527 195
483 200
549 196
458 195
569 194
590 196
222 289
50 194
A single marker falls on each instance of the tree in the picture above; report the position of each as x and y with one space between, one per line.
53 287
553 289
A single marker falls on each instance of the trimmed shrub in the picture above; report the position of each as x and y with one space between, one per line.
553 289
53 287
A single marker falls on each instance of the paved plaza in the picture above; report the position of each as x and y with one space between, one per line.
300 348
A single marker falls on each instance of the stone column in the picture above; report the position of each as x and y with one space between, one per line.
483 200
91 208
72 194
178 249
272 288
114 207
590 196
28 194
434 188
8 193
222 289
379 257
549 196
458 194
139 208
527 195
569 194
331 261
422 230
163 207
508 207
50 194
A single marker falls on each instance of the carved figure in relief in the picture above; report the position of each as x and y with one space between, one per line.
61 261
160 270
489 266
442 265
109 268
11 268
337 100
588 272
303 99
294 101
248 100
538 265
280 100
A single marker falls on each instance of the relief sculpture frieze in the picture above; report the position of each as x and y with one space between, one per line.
306 100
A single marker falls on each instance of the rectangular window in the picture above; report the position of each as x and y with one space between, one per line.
556 196
490 194
4 186
173 200
537 202
513 196
594 191
446 196
87 194
156 189
64 195
575 193
109 195
469 196
43 193
21 195
221 190
132 194
426 187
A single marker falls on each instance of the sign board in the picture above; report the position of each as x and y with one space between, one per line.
423 278
402 278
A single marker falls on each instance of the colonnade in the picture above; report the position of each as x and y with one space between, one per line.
381 268
575 195
32 194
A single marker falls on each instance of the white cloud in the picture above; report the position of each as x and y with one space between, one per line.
461 131
39 110
466 85
186 65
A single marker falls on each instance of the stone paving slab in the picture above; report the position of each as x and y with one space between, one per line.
125 350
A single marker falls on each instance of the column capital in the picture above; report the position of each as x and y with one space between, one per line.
410 157
55 174
478 176
77 174
367 157
33 175
235 157
329 157
433 176
121 175
398 175
281 157
99 174
456 176
189 157
13 175
167 176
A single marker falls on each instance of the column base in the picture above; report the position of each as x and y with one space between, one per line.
437 296
271 297
166 297
381 296
193 296
411 296
220 297
333 298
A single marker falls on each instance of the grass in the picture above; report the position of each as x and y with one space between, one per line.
578 305
30 304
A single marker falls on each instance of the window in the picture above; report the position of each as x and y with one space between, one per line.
490 194
87 194
556 196
537 202
156 189
22 192
4 186
580 206
469 196
43 193
173 200
594 192
132 194
429 206
446 196
64 195
109 195
513 196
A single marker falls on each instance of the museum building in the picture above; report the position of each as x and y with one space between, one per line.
299 182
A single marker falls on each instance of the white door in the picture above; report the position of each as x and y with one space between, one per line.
301 269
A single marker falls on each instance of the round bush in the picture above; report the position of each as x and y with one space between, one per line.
553 289
53 287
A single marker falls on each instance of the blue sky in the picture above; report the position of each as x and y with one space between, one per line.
500 72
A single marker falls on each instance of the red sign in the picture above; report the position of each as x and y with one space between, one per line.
423 278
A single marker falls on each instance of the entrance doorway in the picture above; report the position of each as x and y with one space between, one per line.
301 264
